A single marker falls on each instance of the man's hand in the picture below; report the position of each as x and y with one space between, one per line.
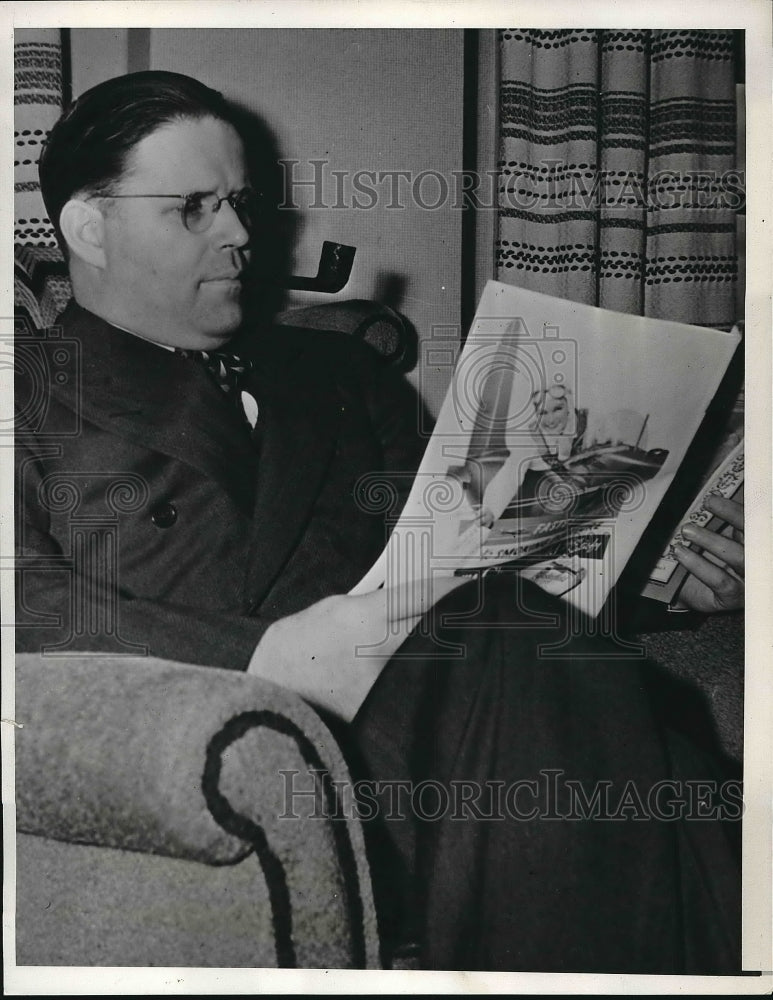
716 580
332 652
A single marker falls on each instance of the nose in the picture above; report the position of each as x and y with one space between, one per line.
228 229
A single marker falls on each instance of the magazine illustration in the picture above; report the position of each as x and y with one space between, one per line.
561 430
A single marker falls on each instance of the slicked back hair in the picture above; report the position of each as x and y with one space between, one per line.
89 147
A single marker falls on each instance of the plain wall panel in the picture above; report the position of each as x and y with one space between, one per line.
97 54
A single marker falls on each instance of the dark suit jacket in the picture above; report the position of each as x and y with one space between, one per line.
140 492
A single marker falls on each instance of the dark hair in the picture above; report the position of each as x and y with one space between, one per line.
88 147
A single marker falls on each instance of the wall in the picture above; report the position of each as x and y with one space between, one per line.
361 100
96 54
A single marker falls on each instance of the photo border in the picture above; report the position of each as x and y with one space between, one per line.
755 17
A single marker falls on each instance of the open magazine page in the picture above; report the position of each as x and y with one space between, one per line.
562 428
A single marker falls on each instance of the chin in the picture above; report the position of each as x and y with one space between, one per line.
223 327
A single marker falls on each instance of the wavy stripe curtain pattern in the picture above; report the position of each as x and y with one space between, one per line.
618 184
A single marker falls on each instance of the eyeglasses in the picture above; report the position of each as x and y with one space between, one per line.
198 210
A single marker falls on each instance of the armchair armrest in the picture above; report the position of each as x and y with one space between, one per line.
387 331
196 763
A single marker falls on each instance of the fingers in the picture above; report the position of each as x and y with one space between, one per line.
725 586
729 510
724 548
716 580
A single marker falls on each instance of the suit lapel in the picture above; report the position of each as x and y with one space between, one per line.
298 425
159 400
155 398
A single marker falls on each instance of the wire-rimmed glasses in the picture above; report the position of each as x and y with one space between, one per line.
199 209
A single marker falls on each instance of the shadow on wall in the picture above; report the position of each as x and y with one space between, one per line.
390 289
280 229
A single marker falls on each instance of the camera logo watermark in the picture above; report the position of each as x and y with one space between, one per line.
43 363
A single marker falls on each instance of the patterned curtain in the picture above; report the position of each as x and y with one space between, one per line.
618 182
38 95
41 286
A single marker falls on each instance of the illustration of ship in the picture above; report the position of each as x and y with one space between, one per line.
593 482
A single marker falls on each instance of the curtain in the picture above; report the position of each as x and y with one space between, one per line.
618 183
38 95
41 286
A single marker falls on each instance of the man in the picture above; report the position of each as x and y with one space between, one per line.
237 547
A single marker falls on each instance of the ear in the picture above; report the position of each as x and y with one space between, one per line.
83 226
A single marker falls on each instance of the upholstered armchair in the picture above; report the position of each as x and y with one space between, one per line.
173 815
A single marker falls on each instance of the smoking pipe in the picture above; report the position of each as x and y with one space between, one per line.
335 267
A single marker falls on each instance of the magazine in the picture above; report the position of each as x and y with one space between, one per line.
562 428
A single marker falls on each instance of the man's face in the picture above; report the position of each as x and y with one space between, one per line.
160 280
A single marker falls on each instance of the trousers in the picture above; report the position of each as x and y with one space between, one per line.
537 809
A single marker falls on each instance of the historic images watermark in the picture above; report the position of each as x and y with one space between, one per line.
548 796
550 185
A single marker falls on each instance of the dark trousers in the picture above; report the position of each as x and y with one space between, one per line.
530 801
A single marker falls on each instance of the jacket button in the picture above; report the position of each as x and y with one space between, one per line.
163 515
